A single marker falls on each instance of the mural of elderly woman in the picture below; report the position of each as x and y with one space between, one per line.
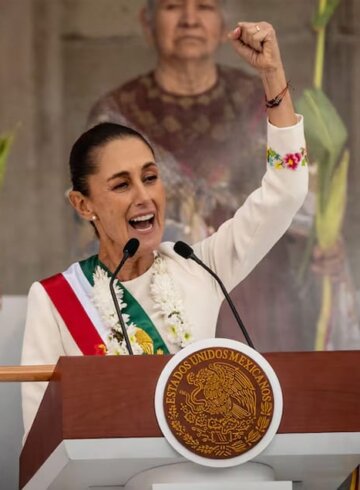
205 119
199 114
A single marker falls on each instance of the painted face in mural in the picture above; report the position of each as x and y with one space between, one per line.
187 29
127 195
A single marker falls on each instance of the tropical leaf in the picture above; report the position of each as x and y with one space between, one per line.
329 221
6 141
321 20
326 135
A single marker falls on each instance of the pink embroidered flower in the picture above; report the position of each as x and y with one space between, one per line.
292 160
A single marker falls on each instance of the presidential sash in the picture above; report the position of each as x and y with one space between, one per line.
71 293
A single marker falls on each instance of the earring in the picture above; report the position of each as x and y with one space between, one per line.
93 217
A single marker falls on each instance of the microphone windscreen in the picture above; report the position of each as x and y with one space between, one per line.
131 247
183 249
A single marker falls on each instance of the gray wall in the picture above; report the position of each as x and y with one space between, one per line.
12 317
32 209
58 56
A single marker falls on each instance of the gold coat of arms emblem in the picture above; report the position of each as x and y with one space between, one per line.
218 402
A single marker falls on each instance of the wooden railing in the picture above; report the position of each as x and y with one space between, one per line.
26 373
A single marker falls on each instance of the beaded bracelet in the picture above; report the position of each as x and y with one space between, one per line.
276 101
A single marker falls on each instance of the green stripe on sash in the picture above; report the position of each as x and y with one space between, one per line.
137 314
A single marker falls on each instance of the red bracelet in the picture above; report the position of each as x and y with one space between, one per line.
276 101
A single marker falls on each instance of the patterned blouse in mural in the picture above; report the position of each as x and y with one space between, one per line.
205 143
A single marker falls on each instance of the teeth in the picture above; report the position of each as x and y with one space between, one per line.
146 217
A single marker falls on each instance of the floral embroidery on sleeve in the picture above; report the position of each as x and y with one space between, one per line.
290 160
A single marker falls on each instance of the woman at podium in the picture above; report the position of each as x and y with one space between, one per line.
165 301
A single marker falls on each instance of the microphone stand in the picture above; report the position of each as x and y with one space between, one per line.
228 299
129 250
185 251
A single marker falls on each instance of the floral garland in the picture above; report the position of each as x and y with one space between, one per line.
166 299
115 343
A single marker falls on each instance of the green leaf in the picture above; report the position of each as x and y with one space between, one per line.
325 133
6 141
329 221
321 20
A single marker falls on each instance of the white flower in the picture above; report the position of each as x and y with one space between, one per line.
102 298
167 299
114 348
103 301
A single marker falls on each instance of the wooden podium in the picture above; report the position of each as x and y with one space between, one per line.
96 425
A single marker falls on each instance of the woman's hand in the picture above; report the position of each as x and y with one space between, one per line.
256 43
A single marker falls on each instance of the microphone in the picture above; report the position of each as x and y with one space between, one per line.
185 251
128 251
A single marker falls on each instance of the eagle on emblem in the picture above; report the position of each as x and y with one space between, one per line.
222 390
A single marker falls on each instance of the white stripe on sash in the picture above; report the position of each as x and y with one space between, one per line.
83 290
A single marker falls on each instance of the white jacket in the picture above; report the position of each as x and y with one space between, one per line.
232 252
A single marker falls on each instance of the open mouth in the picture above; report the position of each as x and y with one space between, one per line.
143 223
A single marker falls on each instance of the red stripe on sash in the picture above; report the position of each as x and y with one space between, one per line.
72 312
